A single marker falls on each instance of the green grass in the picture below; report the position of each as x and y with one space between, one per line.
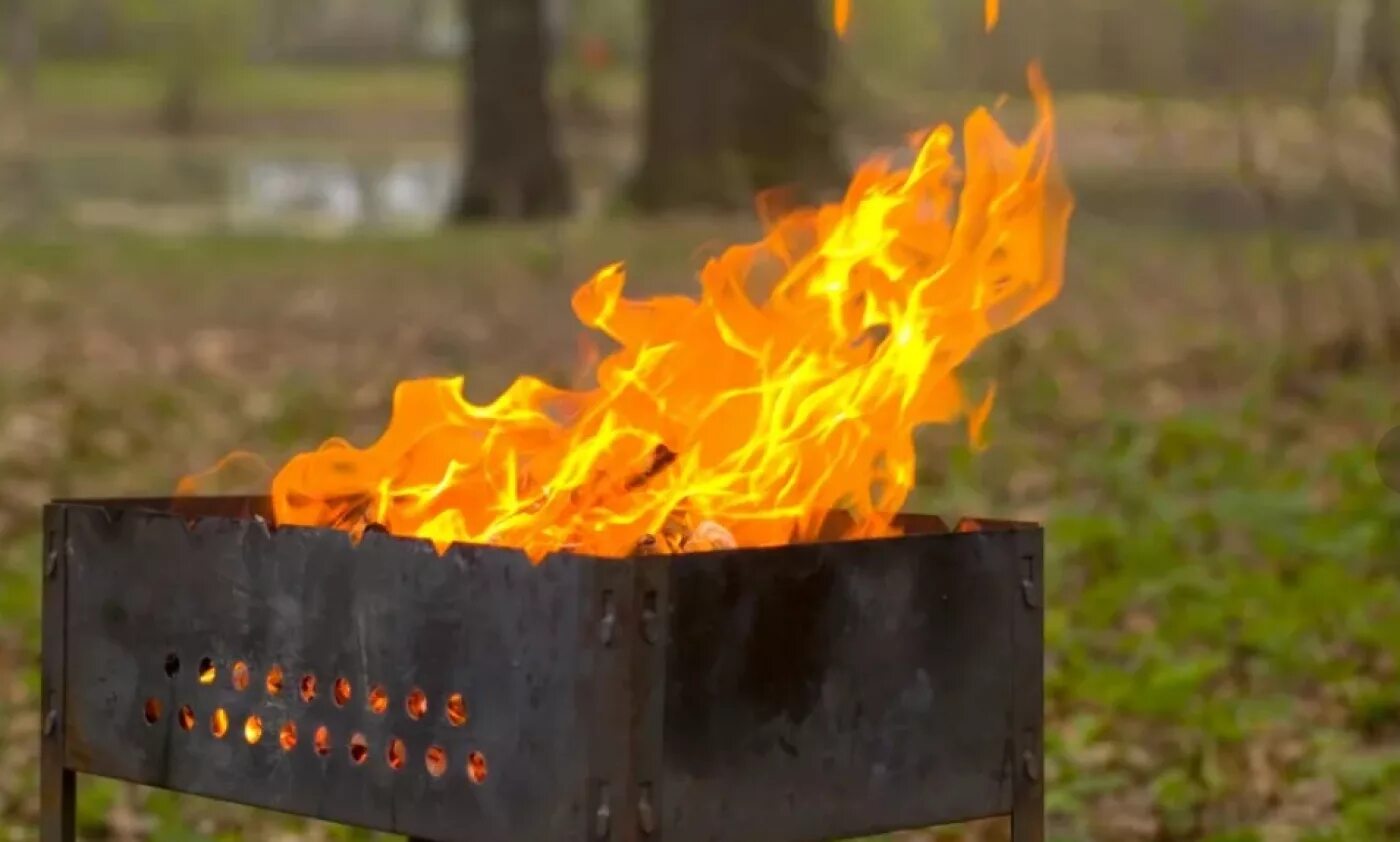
1223 624
129 84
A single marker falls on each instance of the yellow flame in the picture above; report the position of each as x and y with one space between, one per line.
993 14
761 411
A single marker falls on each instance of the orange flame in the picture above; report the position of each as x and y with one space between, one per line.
842 16
761 412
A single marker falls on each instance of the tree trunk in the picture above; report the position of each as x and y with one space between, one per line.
687 160
784 129
1385 52
737 103
514 169
21 48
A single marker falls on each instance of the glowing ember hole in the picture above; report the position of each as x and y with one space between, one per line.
287 738
207 673
341 692
436 761
172 664
252 730
378 699
186 718
308 688
152 711
359 749
240 676
274 680
456 710
476 767
395 754
218 723
322 741
416 704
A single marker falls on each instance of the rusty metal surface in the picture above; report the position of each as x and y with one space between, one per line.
478 621
790 693
57 786
1028 629
844 689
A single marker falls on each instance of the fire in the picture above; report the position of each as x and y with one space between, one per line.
841 15
787 391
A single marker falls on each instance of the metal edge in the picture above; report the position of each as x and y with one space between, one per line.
57 783
648 702
1028 640
611 591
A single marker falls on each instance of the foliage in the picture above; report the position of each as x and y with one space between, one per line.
1224 611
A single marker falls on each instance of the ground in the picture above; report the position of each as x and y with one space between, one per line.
1223 624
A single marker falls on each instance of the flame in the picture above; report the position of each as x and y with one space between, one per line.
760 411
842 16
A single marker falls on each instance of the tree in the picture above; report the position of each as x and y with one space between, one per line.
192 47
21 47
514 168
687 159
783 126
737 102
1384 37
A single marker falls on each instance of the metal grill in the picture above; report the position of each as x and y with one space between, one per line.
804 692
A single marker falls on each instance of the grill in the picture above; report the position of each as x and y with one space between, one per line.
802 692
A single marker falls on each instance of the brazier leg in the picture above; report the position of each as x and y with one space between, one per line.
1028 633
57 794
57 783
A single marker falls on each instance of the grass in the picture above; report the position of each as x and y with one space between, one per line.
1224 608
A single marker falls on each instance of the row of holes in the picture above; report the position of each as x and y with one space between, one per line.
395 753
415 703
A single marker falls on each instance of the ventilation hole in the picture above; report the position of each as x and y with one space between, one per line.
476 767
436 761
218 723
287 737
207 673
456 710
274 681
416 704
240 676
395 754
252 730
186 717
322 741
152 711
172 664
378 699
341 692
308 688
359 749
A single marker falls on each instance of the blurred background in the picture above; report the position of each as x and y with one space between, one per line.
236 223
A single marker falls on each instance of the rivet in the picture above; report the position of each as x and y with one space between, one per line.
649 625
646 816
607 626
1028 763
1028 594
50 723
602 820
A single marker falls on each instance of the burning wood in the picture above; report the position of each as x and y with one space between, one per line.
676 538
